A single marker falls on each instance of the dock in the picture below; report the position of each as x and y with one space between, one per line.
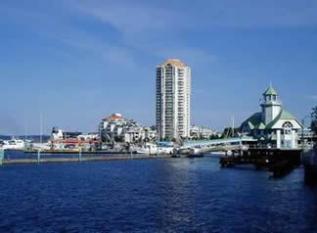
277 161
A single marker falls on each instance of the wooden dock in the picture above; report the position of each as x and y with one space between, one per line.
277 161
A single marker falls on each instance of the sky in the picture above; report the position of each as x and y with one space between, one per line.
73 62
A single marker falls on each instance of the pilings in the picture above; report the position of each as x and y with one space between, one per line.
1 156
80 155
38 156
277 161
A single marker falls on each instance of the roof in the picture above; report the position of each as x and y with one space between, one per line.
270 91
113 117
255 121
284 115
174 62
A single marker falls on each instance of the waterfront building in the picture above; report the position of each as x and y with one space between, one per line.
201 132
173 97
61 140
116 128
274 125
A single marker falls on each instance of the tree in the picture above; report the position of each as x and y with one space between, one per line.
314 120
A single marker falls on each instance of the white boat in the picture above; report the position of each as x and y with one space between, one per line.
152 149
13 144
41 146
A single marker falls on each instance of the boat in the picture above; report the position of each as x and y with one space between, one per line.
152 149
196 153
13 144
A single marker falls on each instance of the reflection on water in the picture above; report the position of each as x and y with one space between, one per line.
172 195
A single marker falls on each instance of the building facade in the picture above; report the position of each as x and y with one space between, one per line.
63 140
273 126
173 98
116 128
201 132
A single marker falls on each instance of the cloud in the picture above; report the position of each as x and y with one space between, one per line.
131 17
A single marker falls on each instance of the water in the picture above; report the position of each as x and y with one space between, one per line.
163 195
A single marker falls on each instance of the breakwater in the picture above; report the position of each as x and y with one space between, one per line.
19 157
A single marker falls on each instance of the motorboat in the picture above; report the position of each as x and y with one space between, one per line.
13 144
152 149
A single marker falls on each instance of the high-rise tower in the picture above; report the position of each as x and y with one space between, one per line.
173 94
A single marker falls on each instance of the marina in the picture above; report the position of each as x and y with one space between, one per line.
158 116
272 140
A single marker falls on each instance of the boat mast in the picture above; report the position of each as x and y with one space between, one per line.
41 128
232 126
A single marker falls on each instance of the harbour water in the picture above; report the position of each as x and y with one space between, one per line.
159 195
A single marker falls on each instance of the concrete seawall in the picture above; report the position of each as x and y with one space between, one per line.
44 158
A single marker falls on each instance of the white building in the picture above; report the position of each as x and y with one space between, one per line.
273 125
116 128
173 96
201 132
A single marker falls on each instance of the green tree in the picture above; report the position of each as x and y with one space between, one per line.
314 120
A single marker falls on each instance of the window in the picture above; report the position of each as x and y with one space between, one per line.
287 127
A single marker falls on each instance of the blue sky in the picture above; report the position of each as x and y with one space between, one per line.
76 61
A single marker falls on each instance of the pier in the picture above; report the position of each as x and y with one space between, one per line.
277 161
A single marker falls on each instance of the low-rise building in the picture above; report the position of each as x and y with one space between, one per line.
61 140
201 132
274 125
116 128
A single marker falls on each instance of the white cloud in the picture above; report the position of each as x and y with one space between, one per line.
131 17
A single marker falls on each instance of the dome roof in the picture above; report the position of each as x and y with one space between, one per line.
114 117
174 62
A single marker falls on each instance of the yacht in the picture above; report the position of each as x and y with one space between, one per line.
13 144
152 149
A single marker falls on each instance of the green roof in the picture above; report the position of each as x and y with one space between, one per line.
270 91
284 115
255 121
